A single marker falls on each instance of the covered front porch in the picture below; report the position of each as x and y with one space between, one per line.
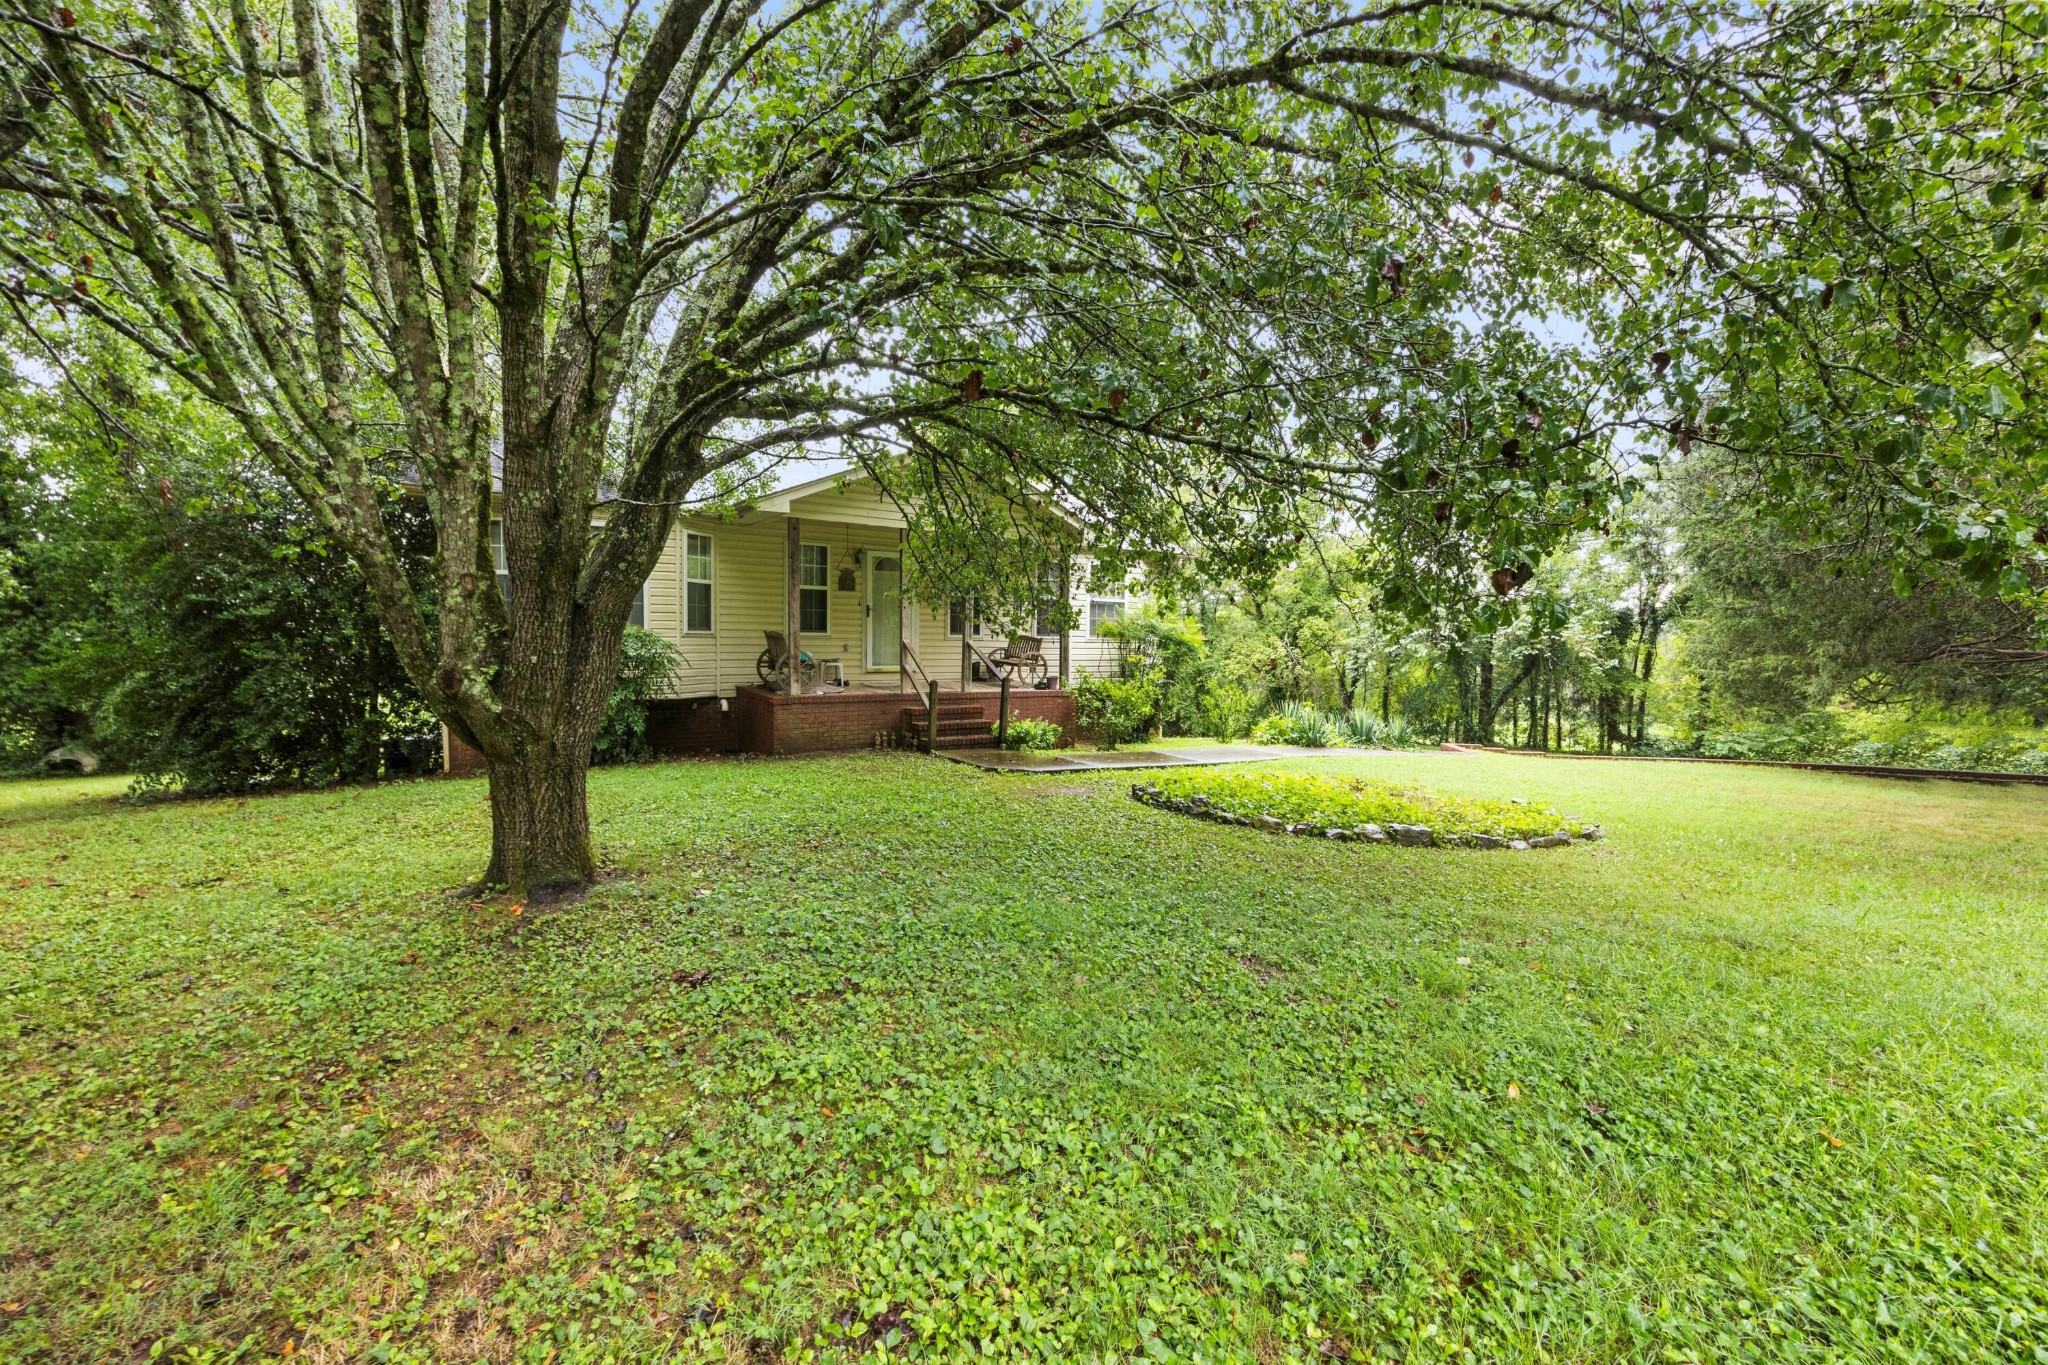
921 644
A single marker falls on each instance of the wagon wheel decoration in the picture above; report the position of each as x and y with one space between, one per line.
771 667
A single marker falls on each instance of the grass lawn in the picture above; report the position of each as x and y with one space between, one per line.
883 1050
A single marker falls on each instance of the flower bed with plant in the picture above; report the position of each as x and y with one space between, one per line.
1358 808
1028 733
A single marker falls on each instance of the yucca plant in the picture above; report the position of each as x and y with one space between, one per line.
1363 730
1310 726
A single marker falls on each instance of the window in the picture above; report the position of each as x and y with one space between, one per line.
638 615
956 617
1103 610
696 583
1049 602
813 593
498 559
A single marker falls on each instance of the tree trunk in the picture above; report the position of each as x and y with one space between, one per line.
1486 701
540 822
1652 628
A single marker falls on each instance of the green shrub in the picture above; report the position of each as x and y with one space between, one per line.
1168 651
1029 734
647 664
1229 712
1823 738
1301 798
1114 711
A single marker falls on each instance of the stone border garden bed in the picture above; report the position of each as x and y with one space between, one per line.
1411 836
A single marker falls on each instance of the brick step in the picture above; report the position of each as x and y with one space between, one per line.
962 725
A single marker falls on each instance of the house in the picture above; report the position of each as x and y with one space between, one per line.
819 558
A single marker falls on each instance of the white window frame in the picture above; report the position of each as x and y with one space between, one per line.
1122 605
710 581
498 566
823 586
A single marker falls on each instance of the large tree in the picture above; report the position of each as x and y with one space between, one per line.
1201 274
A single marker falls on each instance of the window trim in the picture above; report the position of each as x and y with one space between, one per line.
958 607
1049 594
710 580
823 587
500 570
1122 605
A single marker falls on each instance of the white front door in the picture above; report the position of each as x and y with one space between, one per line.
885 611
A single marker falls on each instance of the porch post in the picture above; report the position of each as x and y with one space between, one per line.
967 645
902 590
796 646
1067 605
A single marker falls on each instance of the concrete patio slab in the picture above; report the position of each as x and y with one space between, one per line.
1013 761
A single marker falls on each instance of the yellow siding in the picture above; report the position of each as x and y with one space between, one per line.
750 586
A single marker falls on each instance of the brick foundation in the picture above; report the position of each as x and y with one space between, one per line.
457 758
675 726
692 725
757 721
824 722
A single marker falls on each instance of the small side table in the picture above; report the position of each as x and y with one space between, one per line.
834 672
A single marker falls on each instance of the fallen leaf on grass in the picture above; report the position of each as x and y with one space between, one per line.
1833 1141
1514 1091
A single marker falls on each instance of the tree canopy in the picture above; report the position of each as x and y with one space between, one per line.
1198 276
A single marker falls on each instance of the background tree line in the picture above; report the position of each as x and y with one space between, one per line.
1704 620
166 606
